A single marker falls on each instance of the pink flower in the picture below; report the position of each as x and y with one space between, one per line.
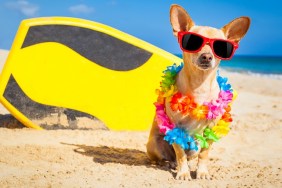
162 119
225 97
216 108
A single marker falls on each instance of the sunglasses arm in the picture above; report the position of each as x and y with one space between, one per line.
179 35
236 45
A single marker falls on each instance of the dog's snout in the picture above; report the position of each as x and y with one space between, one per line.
206 58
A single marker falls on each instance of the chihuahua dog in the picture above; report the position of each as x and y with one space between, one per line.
197 78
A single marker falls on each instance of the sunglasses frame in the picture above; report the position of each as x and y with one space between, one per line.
208 41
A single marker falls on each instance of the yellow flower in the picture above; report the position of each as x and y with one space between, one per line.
170 91
200 112
235 94
221 129
161 98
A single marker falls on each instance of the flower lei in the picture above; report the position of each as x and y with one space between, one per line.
186 105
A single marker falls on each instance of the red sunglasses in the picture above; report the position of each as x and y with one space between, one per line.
193 42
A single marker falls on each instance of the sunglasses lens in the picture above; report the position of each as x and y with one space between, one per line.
223 49
191 42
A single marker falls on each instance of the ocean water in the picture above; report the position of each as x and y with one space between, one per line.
255 65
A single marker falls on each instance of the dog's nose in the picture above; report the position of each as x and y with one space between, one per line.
206 58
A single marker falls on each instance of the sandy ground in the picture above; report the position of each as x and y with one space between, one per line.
250 156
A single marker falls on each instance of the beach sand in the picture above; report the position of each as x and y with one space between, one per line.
249 156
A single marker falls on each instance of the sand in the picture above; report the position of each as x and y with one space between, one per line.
250 156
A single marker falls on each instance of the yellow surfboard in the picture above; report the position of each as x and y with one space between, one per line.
73 68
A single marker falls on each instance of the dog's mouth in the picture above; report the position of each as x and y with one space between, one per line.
204 65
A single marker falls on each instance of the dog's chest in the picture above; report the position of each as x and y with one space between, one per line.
188 122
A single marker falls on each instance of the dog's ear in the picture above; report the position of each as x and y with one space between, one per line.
236 29
179 19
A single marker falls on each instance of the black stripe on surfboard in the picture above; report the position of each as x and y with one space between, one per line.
34 110
100 48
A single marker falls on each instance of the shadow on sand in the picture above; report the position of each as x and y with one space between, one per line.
8 121
104 154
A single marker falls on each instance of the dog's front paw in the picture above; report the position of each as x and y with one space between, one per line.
203 173
183 175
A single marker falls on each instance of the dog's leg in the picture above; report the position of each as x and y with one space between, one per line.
158 149
202 171
183 171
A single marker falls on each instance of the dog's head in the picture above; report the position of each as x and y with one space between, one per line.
208 55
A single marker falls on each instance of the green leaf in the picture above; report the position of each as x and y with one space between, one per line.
205 144
210 135
202 140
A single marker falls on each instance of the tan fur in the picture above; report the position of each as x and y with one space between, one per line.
197 82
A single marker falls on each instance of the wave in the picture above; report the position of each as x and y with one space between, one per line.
247 72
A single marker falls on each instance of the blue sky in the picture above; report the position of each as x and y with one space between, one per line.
149 20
